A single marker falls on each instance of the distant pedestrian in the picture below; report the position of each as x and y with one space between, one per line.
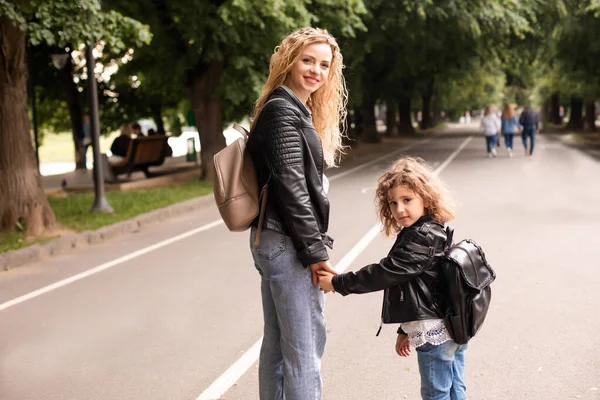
412 203
86 137
490 126
530 122
509 127
295 135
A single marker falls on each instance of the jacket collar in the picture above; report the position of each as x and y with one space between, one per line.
421 221
424 219
287 93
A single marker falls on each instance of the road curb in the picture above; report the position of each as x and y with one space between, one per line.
69 243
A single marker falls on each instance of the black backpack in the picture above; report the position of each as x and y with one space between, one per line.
466 294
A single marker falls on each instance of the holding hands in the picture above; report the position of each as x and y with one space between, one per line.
325 278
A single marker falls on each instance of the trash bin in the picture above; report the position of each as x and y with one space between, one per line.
191 150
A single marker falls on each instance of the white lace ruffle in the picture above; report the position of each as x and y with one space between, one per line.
426 331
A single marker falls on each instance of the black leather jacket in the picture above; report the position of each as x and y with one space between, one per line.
287 152
403 301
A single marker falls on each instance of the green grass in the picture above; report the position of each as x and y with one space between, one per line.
73 211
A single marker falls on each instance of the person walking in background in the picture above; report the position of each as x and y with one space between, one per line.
296 131
412 204
530 122
509 127
86 137
490 125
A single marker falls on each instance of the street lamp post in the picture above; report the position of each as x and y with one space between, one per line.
100 203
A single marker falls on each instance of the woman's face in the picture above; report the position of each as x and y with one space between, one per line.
311 70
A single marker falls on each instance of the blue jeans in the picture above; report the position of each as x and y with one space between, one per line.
529 133
442 370
508 140
294 332
490 141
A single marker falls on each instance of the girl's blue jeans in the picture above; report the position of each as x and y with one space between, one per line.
508 140
442 370
294 333
490 141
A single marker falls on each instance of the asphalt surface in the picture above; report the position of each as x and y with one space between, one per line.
163 313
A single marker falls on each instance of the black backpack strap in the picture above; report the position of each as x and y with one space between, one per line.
449 236
428 296
419 249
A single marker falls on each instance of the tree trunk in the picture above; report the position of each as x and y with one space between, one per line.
555 109
576 119
426 121
158 119
72 94
22 200
203 82
405 125
369 132
391 122
590 115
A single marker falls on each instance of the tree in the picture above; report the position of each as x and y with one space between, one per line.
22 200
219 51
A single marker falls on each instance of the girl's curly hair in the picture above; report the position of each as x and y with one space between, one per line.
328 103
417 176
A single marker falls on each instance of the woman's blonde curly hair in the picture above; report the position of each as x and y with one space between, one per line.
328 103
416 175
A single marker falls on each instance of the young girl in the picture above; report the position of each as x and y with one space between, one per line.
412 203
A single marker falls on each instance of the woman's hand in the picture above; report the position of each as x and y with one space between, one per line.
321 266
402 345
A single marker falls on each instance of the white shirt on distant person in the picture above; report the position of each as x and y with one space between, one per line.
490 125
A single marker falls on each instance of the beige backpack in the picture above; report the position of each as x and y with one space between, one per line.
236 188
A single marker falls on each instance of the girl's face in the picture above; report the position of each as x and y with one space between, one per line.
406 206
311 70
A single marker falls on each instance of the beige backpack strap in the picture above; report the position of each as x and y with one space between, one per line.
241 130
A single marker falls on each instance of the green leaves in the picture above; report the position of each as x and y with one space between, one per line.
58 22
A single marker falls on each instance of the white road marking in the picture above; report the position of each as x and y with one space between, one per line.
453 155
106 265
393 153
233 373
156 246
223 383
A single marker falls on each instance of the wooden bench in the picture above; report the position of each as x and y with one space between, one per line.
143 152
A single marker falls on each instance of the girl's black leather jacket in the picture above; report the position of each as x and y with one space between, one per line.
287 152
403 301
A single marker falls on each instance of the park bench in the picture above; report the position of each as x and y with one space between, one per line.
143 152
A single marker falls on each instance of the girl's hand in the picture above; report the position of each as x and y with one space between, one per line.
402 345
325 281
321 266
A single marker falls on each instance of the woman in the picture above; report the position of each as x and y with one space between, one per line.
490 127
509 126
295 134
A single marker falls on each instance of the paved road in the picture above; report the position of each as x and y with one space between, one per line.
162 314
